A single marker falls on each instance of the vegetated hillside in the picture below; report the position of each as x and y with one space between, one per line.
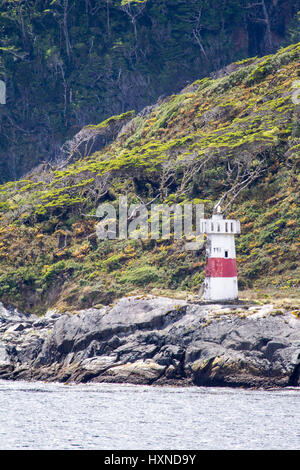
235 137
69 62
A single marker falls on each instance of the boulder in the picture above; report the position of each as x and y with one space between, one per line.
149 340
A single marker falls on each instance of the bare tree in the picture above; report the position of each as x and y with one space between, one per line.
189 167
100 187
80 146
61 15
192 167
167 177
65 87
134 9
240 177
258 13
134 214
108 17
197 28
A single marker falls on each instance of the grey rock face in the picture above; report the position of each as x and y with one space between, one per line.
153 340
4 357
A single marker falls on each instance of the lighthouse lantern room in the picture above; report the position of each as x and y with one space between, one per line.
220 282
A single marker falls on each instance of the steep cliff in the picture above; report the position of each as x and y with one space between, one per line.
68 63
233 137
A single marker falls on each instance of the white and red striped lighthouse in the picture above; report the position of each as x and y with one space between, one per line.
220 282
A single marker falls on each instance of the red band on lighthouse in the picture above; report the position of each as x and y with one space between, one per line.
221 267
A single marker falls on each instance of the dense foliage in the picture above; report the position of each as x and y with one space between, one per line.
68 63
235 137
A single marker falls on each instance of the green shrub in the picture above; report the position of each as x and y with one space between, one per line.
52 271
142 275
113 262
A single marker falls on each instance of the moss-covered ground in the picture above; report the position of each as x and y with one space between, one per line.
191 147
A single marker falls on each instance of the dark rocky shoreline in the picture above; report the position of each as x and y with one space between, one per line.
155 341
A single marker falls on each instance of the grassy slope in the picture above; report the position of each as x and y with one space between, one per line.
49 254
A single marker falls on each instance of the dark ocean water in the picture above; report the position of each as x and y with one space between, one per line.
110 417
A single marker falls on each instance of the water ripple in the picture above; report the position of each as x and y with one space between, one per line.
109 417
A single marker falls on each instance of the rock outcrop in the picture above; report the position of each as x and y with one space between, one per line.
154 340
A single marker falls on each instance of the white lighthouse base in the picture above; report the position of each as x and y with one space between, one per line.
220 288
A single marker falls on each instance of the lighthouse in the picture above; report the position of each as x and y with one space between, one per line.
220 282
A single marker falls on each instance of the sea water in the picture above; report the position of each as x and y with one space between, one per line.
35 415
